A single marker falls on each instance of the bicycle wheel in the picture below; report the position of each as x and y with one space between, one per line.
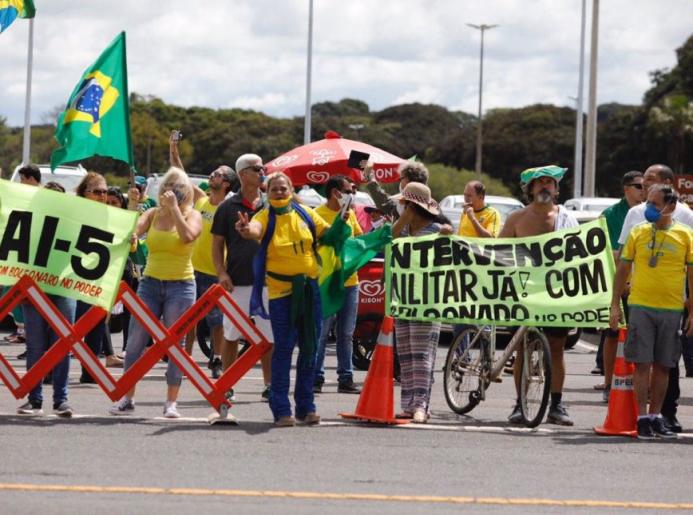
536 377
202 334
465 365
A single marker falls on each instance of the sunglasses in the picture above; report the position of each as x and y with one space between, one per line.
98 191
634 185
256 168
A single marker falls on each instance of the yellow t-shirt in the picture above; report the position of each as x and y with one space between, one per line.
202 252
169 257
290 252
662 286
328 215
488 217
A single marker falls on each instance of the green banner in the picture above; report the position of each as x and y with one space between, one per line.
69 245
559 279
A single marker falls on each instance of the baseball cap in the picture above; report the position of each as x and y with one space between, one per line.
553 171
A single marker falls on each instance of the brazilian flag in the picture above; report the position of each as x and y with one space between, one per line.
10 10
96 120
342 256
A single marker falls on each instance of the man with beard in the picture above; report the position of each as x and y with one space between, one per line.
542 216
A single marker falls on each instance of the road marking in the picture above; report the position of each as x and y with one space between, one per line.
587 346
330 496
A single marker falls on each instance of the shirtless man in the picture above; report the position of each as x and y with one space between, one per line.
541 216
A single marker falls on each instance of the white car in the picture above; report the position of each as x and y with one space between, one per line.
310 197
453 206
597 204
68 177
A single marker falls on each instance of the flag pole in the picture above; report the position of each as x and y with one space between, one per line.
26 148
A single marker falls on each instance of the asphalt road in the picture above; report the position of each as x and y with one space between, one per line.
147 464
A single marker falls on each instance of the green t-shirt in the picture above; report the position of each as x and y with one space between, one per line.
615 217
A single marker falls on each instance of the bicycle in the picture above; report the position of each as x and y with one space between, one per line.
471 366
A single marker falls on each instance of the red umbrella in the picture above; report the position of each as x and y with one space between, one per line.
316 162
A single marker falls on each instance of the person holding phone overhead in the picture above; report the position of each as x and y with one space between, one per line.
168 285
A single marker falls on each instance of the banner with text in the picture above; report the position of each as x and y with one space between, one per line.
559 279
69 245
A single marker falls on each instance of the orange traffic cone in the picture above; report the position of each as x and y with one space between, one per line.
376 403
622 417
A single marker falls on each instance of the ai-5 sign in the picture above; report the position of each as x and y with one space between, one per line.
69 245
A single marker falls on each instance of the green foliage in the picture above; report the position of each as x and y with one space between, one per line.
445 180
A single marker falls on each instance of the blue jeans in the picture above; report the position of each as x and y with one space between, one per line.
285 338
39 337
346 323
169 299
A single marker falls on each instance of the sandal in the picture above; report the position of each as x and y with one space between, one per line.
600 386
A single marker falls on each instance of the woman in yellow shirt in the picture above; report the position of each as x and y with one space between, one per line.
288 261
168 283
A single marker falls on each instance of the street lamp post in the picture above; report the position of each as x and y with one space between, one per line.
479 137
579 122
309 67
591 132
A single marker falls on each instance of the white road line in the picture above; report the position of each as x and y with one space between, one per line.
587 346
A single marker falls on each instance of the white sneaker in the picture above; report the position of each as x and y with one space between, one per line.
170 410
124 406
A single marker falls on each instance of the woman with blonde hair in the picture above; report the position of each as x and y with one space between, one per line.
168 283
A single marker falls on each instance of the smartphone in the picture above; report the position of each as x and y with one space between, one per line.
355 159
177 135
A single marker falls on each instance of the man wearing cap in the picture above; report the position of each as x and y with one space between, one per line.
235 271
661 174
219 185
615 216
542 215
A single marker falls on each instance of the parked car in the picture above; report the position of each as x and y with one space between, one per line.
453 205
68 177
310 197
597 204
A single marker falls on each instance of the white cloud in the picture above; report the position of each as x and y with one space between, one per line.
251 53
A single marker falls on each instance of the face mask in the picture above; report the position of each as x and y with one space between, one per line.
345 198
652 214
400 208
279 203
376 224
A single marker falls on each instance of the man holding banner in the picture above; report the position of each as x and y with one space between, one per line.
542 216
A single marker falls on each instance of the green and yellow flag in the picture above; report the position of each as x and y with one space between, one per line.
96 120
341 257
10 10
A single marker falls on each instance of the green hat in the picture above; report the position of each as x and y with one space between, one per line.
140 180
553 171
204 186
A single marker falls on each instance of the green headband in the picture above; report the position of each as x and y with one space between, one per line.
553 171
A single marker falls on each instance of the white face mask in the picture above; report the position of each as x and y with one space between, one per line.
376 224
345 198
400 208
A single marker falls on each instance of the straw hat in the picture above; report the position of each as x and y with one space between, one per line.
419 194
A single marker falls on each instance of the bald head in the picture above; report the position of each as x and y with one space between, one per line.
657 174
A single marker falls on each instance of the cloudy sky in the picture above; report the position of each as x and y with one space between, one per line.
252 53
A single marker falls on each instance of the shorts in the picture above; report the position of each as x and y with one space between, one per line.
653 337
555 332
204 282
241 295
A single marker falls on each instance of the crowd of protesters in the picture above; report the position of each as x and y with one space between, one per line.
249 233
